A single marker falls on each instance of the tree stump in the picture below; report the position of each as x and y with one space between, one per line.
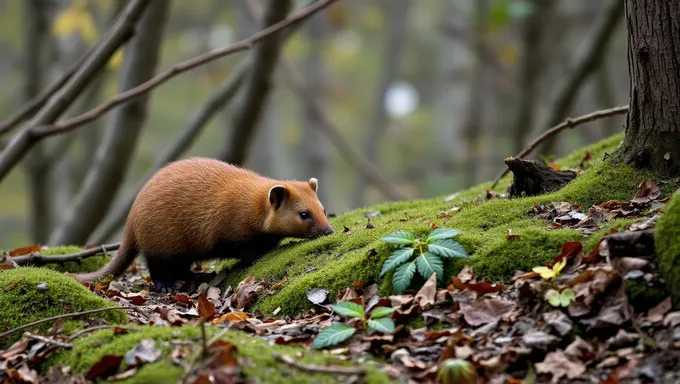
531 177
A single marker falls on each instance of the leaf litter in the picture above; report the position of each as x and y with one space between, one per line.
507 332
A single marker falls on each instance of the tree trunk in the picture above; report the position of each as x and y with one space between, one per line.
113 155
315 152
652 138
397 14
36 21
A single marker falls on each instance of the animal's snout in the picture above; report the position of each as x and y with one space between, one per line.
328 231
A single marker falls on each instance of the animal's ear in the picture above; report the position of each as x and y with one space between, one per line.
277 194
314 183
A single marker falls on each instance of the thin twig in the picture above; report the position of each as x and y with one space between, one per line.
96 328
38 259
66 315
47 340
243 45
32 106
566 124
338 370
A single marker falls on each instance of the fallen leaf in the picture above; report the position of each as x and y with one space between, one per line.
481 287
484 311
656 314
6 262
279 285
623 339
142 353
317 295
224 354
206 308
182 298
539 339
559 365
107 366
25 250
559 321
646 192
232 317
248 290
13 285
426 295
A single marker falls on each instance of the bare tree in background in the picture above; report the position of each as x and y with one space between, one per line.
315 150
257 90
397 30
474 121
113 156
268 151
39 46
530 68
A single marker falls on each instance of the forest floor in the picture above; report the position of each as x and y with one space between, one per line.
593 313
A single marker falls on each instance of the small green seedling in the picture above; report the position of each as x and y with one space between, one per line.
563 298
457 371
378 320
551 273
428 255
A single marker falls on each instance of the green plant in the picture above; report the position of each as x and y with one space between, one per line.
563 298
377 320
550 273
428 255
457 371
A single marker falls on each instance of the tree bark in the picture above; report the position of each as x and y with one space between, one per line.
113 155
652 137
397 14
258 88
36 21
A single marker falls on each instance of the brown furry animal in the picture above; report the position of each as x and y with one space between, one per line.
199 208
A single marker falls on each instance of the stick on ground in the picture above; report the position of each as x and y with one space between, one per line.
568 123
338 370
38 259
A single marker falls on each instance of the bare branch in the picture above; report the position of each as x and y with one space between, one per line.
595 47
114 154
177 69
566 124
257 89
105 48
337 370
39 259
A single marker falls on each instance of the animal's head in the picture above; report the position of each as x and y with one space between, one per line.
295 210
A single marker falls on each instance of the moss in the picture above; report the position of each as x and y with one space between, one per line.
260 367
21 301
333 262
667 244
86 265
644 295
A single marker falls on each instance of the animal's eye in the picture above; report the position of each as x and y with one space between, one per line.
305 216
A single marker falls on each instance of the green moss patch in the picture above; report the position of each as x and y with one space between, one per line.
667 244
86 265
256 354
334 262
29 294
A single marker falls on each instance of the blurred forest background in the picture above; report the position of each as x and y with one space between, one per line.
435 93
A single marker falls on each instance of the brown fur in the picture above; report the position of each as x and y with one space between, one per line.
199 208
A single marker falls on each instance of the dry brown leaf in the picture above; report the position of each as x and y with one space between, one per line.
426 295
484 311
559 365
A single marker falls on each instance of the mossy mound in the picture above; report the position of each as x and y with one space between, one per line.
667 244
90 264
334 262
29 294
260 366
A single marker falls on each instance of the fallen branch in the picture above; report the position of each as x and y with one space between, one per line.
338 370
65 316
47 340
533 178
106 46
38 259
569 123
177 69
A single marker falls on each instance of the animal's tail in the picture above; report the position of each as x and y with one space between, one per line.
124 257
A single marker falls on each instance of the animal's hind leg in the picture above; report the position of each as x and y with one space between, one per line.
166 271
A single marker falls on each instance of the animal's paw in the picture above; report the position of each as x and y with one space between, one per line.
164 286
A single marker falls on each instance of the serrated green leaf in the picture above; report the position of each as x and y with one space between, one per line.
448 248
402 277
399 237
442 233
348 308
381 312
429 263
397 257
335 334
385 324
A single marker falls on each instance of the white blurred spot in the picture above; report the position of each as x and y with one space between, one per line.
401 99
